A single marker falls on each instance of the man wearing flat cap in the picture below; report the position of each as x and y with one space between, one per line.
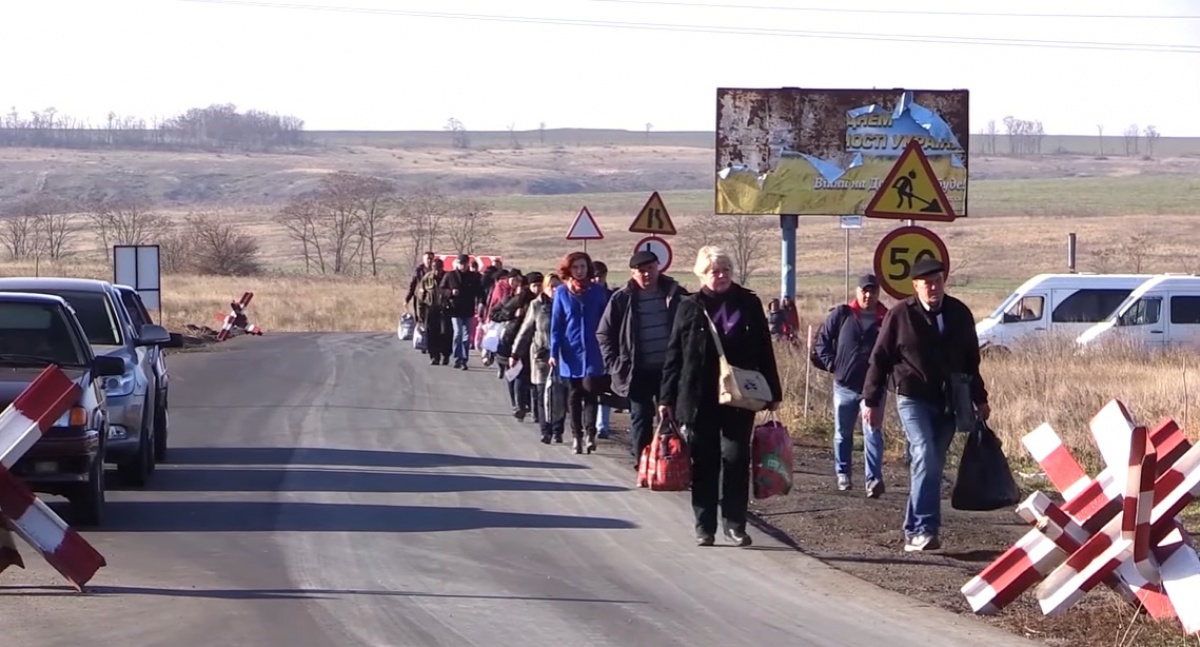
633 335
928 347
843 347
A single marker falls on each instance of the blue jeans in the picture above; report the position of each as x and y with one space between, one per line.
847 409
462 334
929 430
602 418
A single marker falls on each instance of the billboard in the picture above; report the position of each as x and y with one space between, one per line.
812 152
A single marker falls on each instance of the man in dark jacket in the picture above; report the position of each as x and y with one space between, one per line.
633 335
463 290
426 264
843 347
927 344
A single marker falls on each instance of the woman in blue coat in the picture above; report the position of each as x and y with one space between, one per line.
574 351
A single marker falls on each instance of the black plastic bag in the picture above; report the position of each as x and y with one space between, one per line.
984 481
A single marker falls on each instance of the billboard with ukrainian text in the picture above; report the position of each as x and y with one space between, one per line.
810 152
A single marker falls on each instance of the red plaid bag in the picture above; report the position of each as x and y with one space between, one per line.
666 463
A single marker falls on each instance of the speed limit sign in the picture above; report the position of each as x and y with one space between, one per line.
899 251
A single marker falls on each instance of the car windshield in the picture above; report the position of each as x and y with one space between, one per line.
95 314
33 331
1004 305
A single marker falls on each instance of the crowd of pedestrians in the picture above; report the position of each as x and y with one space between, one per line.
570 349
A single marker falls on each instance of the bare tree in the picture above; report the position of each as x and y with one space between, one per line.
746 235
1100 137
374 206
19 235
299 219
458 133
337 223
990 140
345 225
542 132
1138 249
513 142
1131 136
57 232
648 127
1151 134
218 248
468 222
704 229
1024 136
126 220
216 127
422 219
40 226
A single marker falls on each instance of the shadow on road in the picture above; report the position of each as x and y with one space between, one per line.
278 594
346 457
222 406
330 480
237 516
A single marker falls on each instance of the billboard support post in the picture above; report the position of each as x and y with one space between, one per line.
787 226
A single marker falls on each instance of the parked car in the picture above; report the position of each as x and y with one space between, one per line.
158 361
37 330
1055 304
1163 312
131 396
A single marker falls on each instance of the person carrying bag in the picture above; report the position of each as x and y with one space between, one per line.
739 387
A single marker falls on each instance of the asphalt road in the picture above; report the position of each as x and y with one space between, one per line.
336 490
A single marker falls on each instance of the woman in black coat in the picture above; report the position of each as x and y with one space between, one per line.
719 435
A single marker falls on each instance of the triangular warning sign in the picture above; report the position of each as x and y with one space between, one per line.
585 227
653 218
911 190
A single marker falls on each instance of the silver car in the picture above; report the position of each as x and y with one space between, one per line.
157 359
131 397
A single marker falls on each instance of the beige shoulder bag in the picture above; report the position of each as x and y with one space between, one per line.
738 387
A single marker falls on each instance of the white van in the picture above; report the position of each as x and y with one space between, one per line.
1161 313
1056 303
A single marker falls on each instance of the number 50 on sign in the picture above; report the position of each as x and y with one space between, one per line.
899 251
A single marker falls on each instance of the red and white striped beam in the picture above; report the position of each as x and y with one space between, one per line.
31 414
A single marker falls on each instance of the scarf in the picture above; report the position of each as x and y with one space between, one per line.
576 286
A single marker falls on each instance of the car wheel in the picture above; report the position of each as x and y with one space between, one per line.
160 432
87 501
137 469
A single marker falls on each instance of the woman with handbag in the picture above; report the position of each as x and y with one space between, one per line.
719 370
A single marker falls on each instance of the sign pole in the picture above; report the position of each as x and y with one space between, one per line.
788 256
847 264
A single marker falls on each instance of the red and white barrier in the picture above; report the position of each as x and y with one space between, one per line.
484 262
237 318
34 411
1118 528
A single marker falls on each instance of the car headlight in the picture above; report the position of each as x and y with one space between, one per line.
116 387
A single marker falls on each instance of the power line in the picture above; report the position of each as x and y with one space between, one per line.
713 29
894 12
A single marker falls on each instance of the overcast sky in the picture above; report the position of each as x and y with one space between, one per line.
409 65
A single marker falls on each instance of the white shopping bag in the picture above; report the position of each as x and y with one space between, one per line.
512 373
419 337
491 336
404 329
